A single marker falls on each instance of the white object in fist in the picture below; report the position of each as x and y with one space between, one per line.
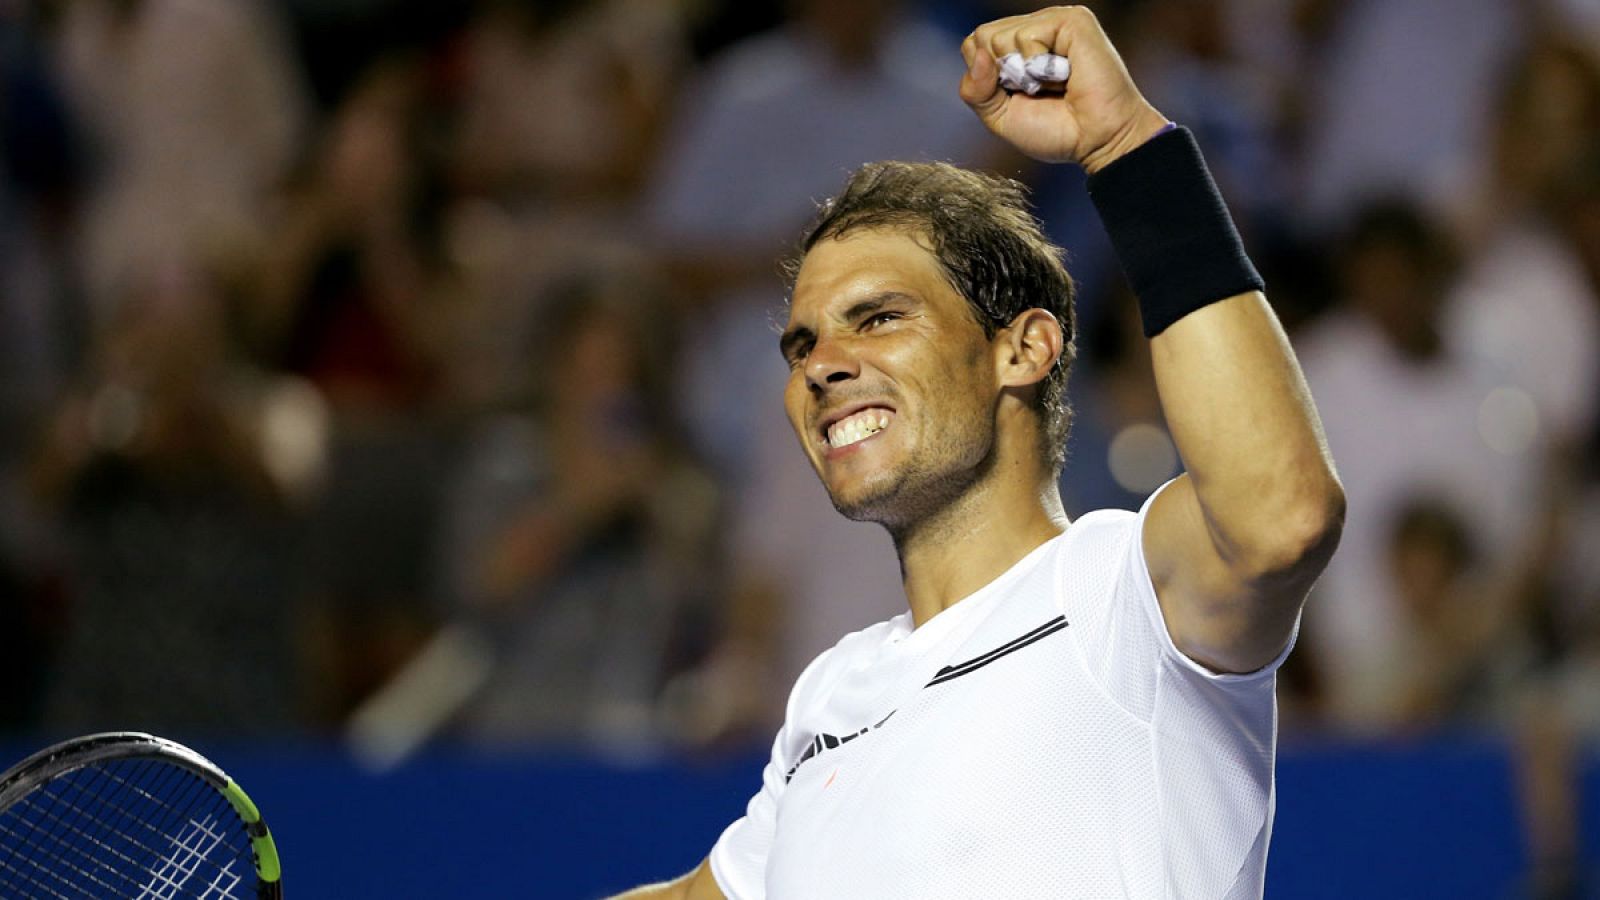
1032 75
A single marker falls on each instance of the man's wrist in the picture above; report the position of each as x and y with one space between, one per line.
1133 135
1171 230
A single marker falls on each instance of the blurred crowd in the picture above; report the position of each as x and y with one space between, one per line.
331 329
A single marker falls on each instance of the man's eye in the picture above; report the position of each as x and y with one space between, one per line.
877 319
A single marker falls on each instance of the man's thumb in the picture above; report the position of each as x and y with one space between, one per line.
980 86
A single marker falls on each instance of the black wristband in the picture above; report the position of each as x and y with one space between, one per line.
1171 230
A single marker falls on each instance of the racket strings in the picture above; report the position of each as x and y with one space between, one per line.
135 828
188 835
57 858
72 824
167 875
36 838
26 878
51 829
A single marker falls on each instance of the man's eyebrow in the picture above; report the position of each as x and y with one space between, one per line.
869 305
794 338
790 342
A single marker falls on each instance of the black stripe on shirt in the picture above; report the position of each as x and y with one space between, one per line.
949 673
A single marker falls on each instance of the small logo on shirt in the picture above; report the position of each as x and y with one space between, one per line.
822 743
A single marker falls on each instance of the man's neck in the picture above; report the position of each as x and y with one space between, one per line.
974 540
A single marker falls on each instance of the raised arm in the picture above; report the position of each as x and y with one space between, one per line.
697 885
1233 545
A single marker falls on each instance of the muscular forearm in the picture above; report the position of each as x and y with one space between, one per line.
1244 424
1236 543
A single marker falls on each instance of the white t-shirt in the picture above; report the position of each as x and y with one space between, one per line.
1041 738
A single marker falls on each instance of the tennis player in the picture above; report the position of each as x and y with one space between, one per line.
1080 709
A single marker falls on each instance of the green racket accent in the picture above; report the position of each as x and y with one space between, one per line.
260 837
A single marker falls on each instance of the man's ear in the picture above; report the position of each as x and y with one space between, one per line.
1027 349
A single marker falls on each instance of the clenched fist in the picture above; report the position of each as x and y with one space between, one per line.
1101 115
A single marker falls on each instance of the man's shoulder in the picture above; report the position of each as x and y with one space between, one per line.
863 642
1098 553
819 676
1091 532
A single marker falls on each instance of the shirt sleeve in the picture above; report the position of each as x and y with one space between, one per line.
1144 587
739 858
1107 595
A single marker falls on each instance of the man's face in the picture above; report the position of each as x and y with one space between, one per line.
892 383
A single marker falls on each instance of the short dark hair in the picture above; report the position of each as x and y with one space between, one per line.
988 242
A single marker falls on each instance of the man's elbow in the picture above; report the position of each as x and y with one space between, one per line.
1318 527
1298 538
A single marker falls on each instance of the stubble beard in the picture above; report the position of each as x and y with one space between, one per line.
922 487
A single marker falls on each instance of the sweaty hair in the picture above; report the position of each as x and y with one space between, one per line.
990 246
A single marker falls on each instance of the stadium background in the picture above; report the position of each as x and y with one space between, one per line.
388 407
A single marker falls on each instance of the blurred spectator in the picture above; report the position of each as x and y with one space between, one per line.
40 326
1526 306
580 530
1467 657
1458 647
194 110
558 110
560 101
180 565
774 123
355 279
39 177
1543 114
1400 102
1531 306
358 298
339 41
1405 415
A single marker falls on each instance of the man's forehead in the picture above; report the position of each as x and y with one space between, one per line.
838 271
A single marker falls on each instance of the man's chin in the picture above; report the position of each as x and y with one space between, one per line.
876 502
900 498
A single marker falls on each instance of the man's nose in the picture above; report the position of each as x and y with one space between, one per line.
830 362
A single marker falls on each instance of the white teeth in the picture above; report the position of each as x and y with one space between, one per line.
857 427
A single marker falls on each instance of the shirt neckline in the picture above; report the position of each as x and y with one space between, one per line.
907 638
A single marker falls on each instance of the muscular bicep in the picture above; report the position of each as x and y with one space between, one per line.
1216 615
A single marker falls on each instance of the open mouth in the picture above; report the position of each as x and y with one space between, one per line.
856 427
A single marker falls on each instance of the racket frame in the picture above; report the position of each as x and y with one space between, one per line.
82 752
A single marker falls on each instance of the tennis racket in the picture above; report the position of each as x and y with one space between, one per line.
132 815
